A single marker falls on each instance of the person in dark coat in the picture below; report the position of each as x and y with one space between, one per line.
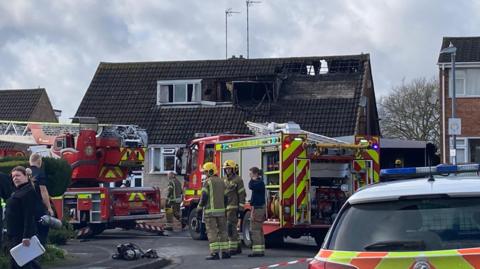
5 192
43 206
20 214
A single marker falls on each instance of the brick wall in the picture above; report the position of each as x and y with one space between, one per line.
467 108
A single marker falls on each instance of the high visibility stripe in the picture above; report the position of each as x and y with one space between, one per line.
439 259
215 210
241 190
232 207
140 196
84 196
190 192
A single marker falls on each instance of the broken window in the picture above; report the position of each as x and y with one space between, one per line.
323 67
178 91
252 92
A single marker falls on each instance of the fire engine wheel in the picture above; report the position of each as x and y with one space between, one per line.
196 227
246 230
97 228
275 240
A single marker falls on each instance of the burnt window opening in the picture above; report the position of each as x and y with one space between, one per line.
323 67
345 66
252 93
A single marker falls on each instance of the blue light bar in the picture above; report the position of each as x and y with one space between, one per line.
434 170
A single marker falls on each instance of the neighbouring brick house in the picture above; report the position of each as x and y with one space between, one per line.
467 98
175 100
25 105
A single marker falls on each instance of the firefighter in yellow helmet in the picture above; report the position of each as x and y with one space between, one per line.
213 204
235 204
398 163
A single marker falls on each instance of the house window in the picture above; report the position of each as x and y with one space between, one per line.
163 159
467 82
461 150
178 91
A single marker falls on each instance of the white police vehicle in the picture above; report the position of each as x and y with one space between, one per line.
429 222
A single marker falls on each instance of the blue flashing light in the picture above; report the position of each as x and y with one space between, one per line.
434 170
399 171
443 168
375 146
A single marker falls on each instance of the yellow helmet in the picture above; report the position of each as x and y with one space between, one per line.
229 164
398 162
209 168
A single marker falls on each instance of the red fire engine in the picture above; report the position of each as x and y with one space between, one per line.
100 156
307 176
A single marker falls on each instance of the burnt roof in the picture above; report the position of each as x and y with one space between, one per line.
468 49
125 93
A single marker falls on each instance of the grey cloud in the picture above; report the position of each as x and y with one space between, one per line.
58 44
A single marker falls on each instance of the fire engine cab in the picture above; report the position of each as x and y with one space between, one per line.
307 176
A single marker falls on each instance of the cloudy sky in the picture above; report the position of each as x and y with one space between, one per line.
58 44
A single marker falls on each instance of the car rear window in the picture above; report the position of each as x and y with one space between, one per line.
408 225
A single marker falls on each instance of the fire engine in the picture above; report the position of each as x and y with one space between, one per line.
100 156
307 176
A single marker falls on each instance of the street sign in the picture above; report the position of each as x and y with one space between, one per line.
454 126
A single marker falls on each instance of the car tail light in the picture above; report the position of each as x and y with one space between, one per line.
321 264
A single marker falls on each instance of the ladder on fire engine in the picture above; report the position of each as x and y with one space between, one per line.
24 132
272 127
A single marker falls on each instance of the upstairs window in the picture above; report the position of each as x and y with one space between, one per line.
467 82
179 92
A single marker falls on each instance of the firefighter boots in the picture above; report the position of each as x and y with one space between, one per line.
213 256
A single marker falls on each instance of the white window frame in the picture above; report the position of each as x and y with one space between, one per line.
464 147
177 82
459 75
165 150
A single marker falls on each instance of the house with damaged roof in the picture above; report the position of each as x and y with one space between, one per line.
174 100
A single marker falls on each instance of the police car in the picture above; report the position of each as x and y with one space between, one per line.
427 223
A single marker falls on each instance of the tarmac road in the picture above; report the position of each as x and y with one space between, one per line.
180 250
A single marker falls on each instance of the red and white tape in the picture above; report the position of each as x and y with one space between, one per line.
282 264
149 228
84 232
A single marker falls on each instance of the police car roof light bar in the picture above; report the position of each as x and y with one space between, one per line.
424 171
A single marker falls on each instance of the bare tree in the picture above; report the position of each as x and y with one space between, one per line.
412 111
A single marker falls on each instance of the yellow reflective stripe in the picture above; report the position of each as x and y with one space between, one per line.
232 207
189 192
102 195
342 256
241 190
57 197
84 196
138 195
214 210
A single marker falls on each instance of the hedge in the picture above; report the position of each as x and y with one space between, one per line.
58 171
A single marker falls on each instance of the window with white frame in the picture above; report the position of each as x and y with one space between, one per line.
461 150
162 159
467 82
179 91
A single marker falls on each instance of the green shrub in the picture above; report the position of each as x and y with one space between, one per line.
59 174
4 261
52 254
61 236
7 164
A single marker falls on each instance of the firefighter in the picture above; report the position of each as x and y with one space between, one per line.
235 204
257 202
213 204
174 198
398 163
